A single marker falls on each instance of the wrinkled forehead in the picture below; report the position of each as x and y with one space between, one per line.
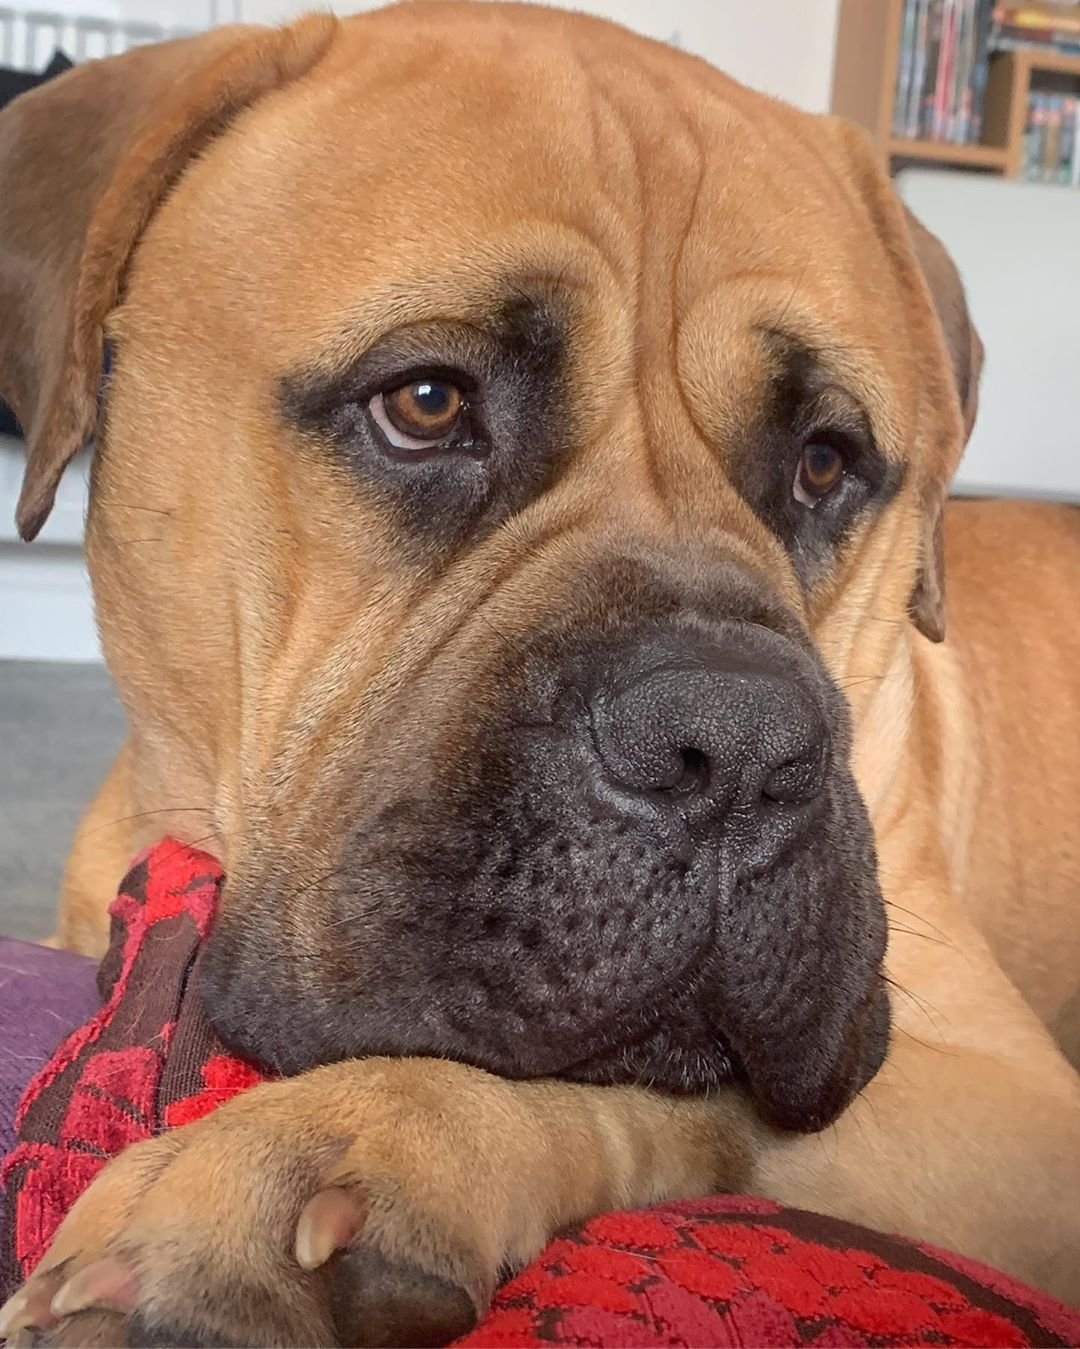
432 167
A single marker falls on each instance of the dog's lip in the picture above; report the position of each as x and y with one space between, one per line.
606 1038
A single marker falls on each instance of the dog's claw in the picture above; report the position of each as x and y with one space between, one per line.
105 1283
327 1224
28 1308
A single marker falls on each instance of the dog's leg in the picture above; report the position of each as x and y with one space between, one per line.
370 1202
100 854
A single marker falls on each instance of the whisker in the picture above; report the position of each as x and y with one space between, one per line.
499 636
946 940
151 510
146 814
938 1048
920 1003
925 936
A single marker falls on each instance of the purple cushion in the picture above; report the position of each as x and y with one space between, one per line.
44 994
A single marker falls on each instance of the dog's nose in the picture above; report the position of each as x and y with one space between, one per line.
718 738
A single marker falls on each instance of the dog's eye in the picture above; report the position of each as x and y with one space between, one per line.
821 468
420 415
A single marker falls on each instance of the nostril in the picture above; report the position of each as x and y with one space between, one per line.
695 773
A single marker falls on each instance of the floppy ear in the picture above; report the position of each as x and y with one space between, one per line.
84 161
927 605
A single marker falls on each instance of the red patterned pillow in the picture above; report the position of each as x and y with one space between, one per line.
146 1061
733 1270
723 1271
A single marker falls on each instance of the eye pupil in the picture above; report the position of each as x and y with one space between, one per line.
820 460
431 399
821 469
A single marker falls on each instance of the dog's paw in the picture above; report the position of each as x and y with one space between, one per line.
264 1224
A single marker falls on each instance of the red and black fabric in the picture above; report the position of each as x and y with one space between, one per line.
146 1061
728 1270
734 1270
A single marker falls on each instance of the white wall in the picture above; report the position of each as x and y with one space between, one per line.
1026 440
784 47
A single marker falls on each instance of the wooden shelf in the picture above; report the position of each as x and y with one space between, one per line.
1034 59
864 81
942 152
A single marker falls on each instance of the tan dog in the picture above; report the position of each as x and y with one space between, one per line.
523 451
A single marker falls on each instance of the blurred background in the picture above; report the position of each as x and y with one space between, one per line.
974 105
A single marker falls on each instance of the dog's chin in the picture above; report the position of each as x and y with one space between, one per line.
662 1062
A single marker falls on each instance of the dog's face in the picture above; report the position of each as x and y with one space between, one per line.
519 442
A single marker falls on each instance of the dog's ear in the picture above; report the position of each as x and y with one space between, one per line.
950 350
84 161
965 351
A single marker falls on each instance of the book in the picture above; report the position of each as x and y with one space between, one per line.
905 68
1067 141
961 114
1013 40
967 64
933 55
1074 177
1048 25
1035 137
918 75
943 74
981 68
1052 145
1062 18
942 69
1028 144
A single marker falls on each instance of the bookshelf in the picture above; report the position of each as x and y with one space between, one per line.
864 84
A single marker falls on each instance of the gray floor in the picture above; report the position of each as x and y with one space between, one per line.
60 725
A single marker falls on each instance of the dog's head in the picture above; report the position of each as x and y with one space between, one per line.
521 447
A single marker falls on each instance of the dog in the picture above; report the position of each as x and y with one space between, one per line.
518 535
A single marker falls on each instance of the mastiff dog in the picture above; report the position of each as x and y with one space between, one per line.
518 530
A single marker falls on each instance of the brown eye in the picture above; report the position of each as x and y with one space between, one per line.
820 470
419 415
